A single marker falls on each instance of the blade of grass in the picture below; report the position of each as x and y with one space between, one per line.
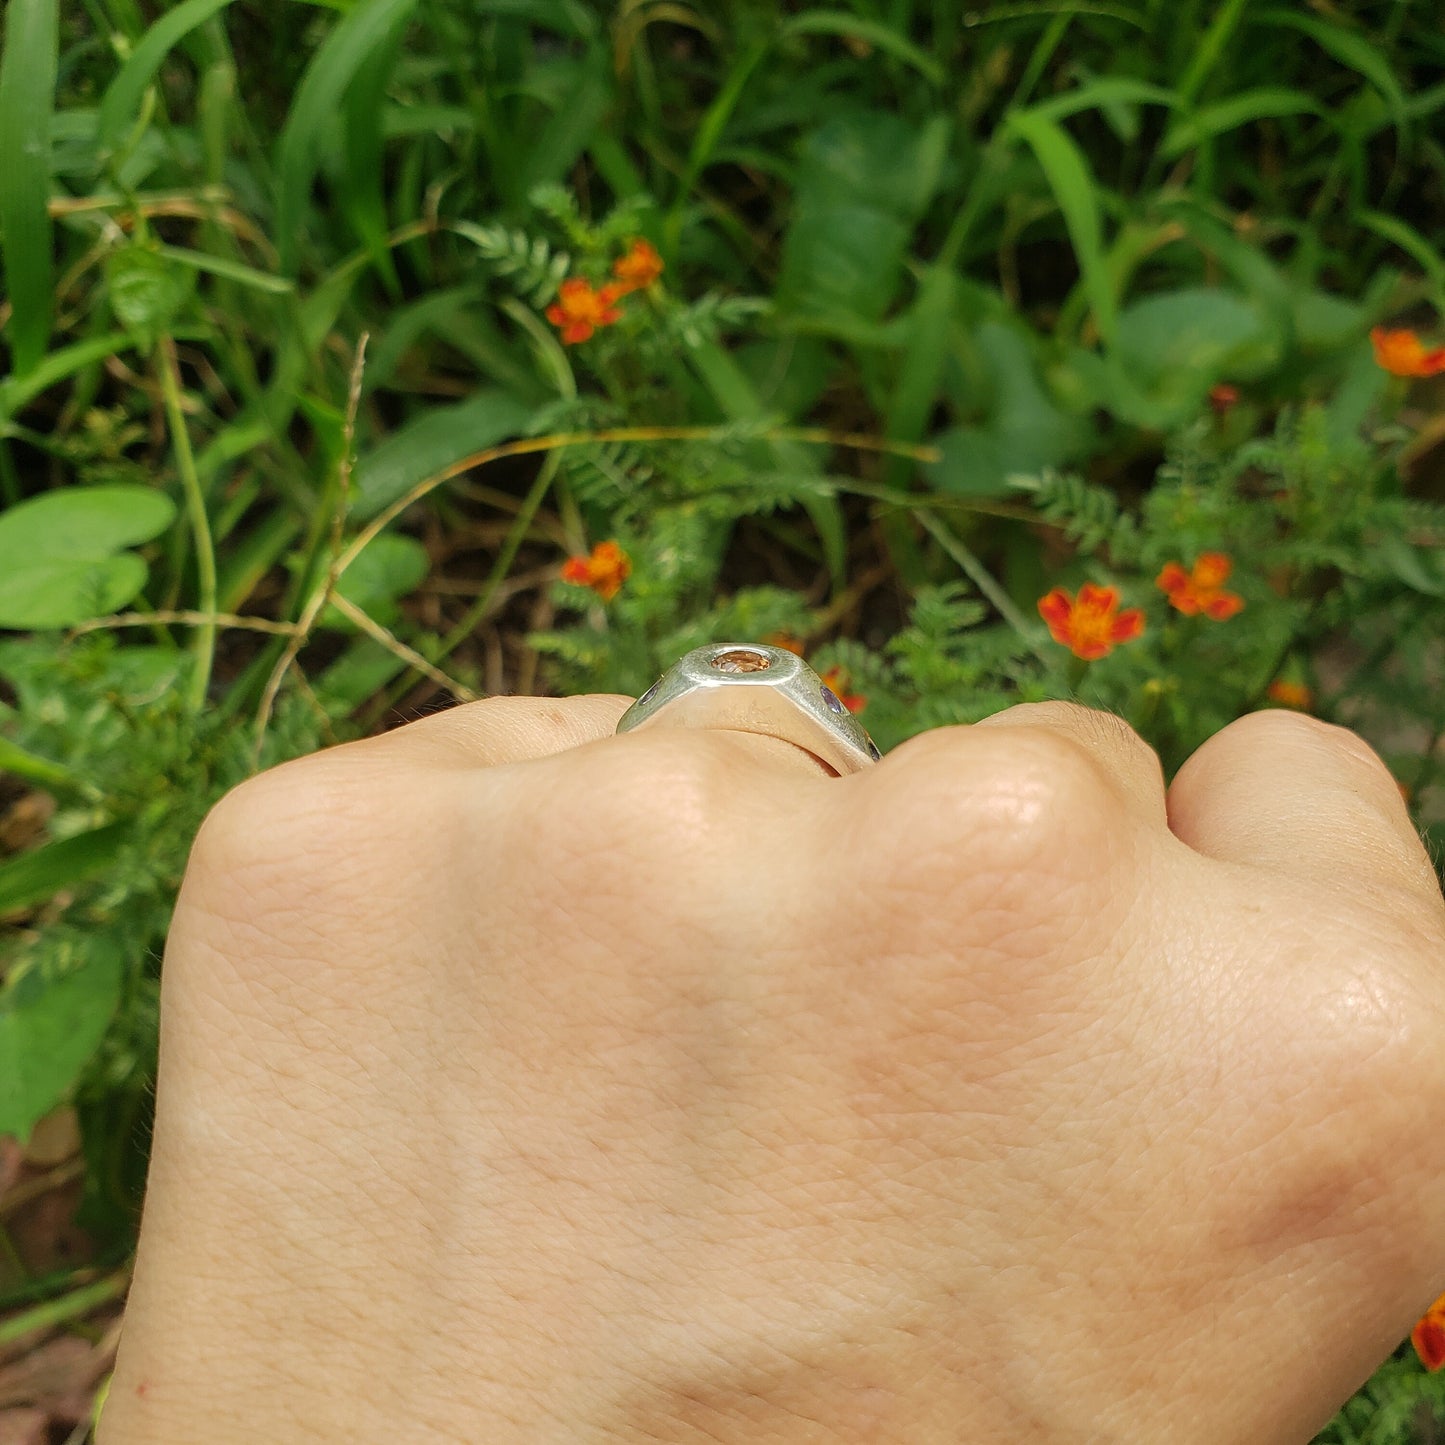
1076 193
1413 244
324 84
31 878
203 645
1206 57
709 132
871 32
17 392
1265 103
27 97
1352 50
231 270
363 173
122 99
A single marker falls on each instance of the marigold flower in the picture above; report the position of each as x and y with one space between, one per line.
1428 1336
785 640
1401 352
836 678
604 571
1090 625
1290 694
1201 589
640 267
580 308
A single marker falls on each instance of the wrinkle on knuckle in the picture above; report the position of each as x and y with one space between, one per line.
1018 804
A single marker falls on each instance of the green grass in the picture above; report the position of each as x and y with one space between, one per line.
275 284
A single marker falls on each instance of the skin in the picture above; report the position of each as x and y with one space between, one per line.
523 1082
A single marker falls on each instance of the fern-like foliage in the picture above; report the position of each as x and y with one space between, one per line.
1089 515
1401 1405
528 263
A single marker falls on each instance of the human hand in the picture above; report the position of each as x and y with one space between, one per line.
522 1082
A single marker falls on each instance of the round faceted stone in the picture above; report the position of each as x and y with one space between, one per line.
647 696
873 750
831 698
741 661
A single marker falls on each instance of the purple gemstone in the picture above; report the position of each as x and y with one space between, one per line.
647 696
831 698
873 750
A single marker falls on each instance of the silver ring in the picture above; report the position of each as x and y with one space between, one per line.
755 689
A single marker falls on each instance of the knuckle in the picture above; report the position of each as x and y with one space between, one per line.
1018 800
303 831
668 796
1284 728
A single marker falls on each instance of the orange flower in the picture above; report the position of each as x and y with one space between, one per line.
836 680
604 571
785 640
1201 589
1402 353
1290 694
580 309
640 267
1428 1336
1090 625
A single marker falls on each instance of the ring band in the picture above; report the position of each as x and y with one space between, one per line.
754 688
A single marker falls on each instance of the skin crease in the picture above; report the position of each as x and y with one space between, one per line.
521 1082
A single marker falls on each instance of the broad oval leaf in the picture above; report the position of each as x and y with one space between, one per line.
431 443
63 592
50 1025
81 522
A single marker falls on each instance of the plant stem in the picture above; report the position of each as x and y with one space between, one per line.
68 1307
203 644
981 578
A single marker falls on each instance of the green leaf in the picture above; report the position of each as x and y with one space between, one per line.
59 592
27 98
82 520
50 1025
924 358
37 876
430 444
550 154
146 291
864 180
1206 54
16 393
122 99
1268 102
318 99
1351 49
231 270
1023 432
871 32
58 562
43 772
363 172
1101 94
390 568
1399 233
1177 344
1076 192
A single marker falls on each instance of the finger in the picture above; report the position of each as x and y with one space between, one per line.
1284 791
500 730
497 730
1129 765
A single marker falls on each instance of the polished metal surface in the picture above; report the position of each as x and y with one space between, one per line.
756 689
